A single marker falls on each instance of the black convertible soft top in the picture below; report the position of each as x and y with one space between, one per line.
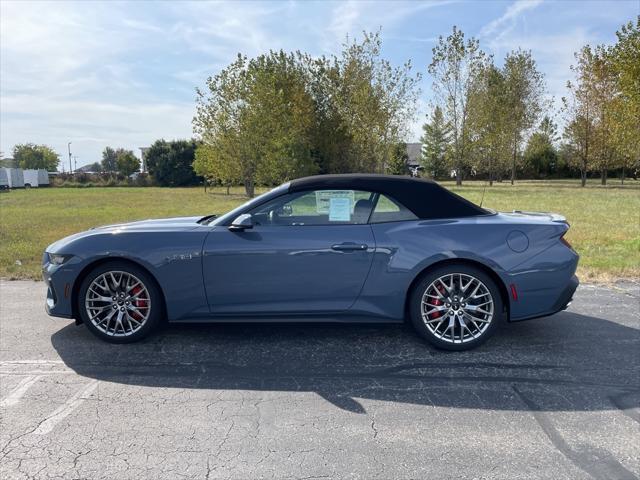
425 198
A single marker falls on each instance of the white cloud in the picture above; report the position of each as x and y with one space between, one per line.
508 20
123 74
353 17
66 77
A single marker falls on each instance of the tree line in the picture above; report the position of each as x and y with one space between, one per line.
489 120
282 115
169 163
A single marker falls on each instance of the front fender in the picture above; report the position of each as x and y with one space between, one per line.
173 258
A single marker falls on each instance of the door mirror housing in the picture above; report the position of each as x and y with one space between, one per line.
241 223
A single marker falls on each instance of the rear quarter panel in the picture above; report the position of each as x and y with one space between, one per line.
405 249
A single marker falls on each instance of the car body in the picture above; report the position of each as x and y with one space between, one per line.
348 248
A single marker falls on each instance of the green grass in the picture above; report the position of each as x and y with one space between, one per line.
605 222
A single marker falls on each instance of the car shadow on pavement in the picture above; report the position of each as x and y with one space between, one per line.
568 362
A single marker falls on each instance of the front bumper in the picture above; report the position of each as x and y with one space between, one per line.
59 280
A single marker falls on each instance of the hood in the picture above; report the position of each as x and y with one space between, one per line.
149 226
161 224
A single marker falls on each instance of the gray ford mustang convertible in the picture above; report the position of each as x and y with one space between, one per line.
347 248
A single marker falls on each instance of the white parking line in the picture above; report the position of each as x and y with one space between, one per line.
33 367
37 372
31 362
16 394
64 410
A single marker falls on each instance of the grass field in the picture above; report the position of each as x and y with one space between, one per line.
605 222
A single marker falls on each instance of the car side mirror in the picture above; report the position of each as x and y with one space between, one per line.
241 223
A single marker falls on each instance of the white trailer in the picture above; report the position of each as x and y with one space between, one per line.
43 178
15 177
4 180
30 178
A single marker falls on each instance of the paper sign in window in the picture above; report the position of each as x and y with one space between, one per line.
339 209
323 197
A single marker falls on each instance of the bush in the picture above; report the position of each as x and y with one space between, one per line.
84 180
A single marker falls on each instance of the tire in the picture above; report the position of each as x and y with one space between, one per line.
120 302
465 294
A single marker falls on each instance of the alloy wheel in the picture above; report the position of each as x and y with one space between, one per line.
118 303
457 308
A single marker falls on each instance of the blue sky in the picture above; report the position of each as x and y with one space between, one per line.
124 73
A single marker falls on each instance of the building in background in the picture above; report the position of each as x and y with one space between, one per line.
414 154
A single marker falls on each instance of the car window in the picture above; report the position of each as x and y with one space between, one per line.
316 207
388 210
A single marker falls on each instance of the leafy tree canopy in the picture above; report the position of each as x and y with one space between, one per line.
127 162
285 115
29 155
398 162
171 163
435 144
109 160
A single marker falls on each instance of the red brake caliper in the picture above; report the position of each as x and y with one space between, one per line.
138 302
436 302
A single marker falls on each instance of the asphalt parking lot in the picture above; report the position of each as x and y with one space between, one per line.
551 398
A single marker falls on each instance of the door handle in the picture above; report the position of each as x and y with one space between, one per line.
349 247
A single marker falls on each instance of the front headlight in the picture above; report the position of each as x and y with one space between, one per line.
58 259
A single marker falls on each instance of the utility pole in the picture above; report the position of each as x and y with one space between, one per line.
75 163
70 166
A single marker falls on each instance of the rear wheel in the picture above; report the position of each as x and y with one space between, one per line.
119 302
456 307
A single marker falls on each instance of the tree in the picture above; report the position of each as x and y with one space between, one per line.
580 109
258 114
374 102
604 90
331 140
454 68
435 144
541 154
127 162
398 163
210 164
625 62
524 89
109 160
32 156
578 138
284 115
171 163
279 119
488 122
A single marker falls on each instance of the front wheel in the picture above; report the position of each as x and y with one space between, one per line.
119 302
456 307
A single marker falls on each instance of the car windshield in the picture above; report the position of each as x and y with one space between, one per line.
221 220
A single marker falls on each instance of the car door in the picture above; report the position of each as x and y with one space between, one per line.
308 252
